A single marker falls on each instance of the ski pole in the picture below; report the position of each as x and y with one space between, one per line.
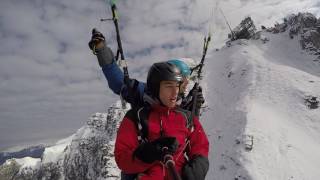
169 163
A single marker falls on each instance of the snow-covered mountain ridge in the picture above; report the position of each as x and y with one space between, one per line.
257 118
259 121
87 154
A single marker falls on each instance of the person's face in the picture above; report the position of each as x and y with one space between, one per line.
184 85
168 93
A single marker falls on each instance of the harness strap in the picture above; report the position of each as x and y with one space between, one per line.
140 139
188 117
161 126
140 118
183 151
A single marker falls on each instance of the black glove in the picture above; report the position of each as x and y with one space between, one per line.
104 54
200 98
151 151
96 38
196 168
187 103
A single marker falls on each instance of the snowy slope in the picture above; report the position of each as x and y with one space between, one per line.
255 93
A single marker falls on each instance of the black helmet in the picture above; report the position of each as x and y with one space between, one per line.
162 71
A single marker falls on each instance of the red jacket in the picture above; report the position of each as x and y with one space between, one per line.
174 125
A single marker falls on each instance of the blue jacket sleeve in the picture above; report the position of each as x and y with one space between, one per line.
115 77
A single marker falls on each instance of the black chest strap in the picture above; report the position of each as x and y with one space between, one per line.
140 118
188 117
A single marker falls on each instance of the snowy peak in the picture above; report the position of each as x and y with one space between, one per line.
87 154
259 118
285 130
306 27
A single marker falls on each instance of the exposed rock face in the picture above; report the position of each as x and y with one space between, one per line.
310 40
93 149
303 25
89 155
307 20
245 30
9 170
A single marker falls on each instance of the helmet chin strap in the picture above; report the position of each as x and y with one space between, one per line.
151 100
161 102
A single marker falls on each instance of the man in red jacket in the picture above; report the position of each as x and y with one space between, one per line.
141 142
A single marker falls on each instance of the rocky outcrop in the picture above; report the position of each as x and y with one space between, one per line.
304 26
88 155
245 30
307 25
9 170
310 40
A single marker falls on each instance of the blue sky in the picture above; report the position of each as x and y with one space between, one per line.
50 82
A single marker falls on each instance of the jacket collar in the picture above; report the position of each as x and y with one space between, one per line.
156 105
162 109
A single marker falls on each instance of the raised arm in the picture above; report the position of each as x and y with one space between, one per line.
133 93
